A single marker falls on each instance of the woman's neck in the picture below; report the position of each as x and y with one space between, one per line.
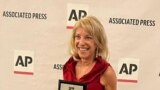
86 62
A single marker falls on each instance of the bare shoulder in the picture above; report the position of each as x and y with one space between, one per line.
109 79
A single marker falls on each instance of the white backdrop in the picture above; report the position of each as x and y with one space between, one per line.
34 41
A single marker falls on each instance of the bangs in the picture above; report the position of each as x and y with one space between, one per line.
86 26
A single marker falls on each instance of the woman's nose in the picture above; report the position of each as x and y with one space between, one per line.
82 41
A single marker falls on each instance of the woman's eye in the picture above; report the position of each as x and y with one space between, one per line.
77 37
89 37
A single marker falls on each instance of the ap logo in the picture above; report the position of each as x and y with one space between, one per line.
74 13
128 70
23 62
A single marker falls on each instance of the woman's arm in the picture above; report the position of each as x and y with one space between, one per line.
108 79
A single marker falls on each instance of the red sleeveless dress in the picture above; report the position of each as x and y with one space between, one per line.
92 79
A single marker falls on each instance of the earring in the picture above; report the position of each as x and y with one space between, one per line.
97 52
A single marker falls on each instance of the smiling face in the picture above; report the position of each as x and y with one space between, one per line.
84 44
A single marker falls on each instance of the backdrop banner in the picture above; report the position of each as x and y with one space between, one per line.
35 34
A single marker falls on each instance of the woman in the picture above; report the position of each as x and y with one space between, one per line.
89 52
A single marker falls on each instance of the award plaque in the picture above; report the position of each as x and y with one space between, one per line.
68 85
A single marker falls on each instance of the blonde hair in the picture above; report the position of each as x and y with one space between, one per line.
93 26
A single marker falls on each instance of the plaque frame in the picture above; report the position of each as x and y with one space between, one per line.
71 85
